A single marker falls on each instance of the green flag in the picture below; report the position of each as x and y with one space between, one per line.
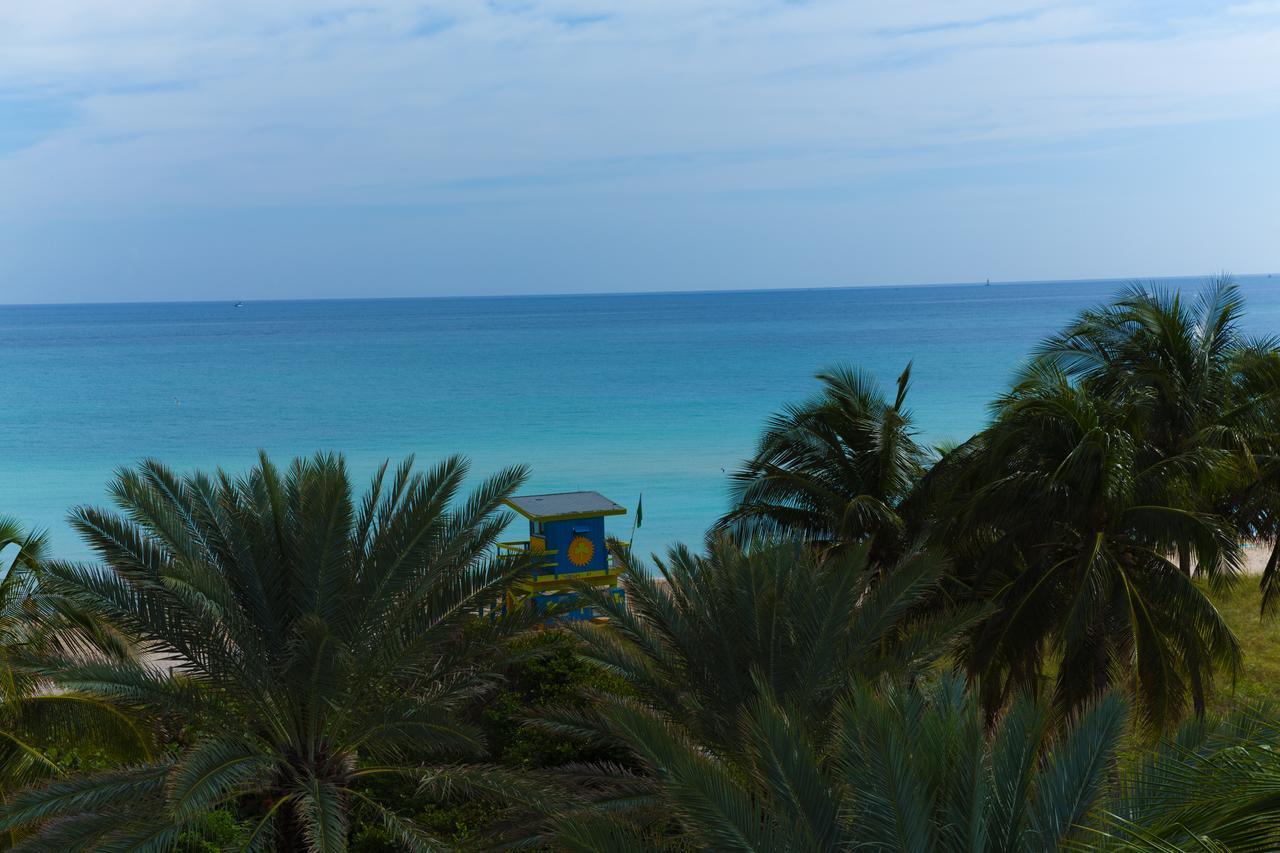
640 511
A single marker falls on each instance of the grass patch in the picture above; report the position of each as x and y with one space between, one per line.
1260 638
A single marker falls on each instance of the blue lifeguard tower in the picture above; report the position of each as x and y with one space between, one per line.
567 527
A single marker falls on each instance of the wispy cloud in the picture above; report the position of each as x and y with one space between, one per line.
582 19
1256 9
354 93
145 105
952 26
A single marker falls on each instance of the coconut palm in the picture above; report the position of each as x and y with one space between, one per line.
1070 522
1253 507
1200 385
833 469
910 769
297 643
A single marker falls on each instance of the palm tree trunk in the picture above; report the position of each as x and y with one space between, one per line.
289 836
1184 559
1268 582
1197 692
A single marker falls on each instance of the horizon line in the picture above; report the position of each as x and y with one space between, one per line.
703 291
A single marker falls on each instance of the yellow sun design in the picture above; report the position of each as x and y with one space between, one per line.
581 551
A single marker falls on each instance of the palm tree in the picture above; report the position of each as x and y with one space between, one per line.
702 639
910 769
833 469
1253 507
20 554
1213 785
39 728
21 625
1067 529
296 642
703 635
1201 386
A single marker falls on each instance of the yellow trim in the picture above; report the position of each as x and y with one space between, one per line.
572 577
566 580
522 547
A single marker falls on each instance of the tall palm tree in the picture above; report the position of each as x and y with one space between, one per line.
1069 524
1253 507
833 469
296 641
1201 386
912 769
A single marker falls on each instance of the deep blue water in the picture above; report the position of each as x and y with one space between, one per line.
657 393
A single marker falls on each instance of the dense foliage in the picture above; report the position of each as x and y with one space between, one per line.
1009 644
895 769
292 643
836 469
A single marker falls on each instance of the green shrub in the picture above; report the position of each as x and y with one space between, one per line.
215 832
553 674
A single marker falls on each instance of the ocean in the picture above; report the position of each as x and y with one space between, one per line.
656 393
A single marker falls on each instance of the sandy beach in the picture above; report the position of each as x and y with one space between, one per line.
1255 558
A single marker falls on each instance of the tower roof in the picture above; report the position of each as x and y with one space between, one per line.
564 505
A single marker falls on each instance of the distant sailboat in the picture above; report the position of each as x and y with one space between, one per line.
988 282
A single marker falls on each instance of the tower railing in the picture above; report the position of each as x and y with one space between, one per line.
521 547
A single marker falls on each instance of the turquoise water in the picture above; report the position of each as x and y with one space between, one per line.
659 393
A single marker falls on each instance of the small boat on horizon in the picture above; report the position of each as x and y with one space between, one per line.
239 304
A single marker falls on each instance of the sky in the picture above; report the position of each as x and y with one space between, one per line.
241 149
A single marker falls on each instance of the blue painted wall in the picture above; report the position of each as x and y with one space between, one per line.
560 533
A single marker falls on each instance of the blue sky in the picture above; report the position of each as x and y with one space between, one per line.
169 149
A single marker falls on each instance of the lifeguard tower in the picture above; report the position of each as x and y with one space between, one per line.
567 527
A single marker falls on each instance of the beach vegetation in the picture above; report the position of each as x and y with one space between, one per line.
1206 397
835 469
1069 530
296 641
